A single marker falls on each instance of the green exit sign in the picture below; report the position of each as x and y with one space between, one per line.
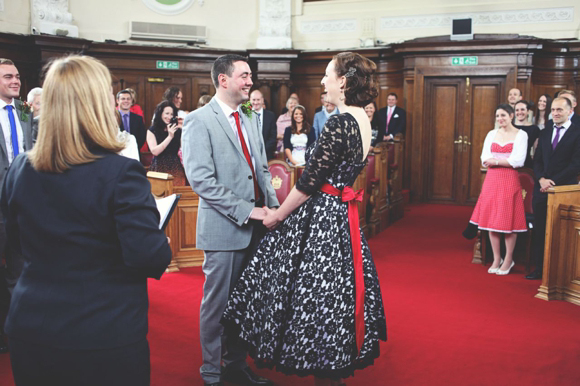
166 65
464 61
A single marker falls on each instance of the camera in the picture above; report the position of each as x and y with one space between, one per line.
173 121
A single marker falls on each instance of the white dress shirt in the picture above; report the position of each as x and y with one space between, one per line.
6 129
260 114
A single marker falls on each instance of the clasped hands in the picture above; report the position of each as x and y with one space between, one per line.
490 162
268 216
546 184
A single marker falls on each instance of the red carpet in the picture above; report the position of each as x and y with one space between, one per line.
450 323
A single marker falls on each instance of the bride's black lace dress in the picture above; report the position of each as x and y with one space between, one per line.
294 305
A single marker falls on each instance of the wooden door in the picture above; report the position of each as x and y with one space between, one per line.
156 86
459 112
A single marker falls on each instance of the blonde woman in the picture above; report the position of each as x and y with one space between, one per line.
86 225
284 120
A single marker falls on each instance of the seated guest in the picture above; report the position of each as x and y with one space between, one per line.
521 122
283 121
135 108
87 226
500 206
543 111
33 100
203 100
322 100
556 163
130 122
370 110
266 122
321 117
298 137
391 120
164 140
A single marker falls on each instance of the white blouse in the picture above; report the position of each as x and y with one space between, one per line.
519 151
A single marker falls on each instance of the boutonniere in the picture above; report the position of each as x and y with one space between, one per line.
247 109
396 116
25 110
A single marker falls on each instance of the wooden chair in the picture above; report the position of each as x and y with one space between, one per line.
146 159
371 196
381 167
283 178
394 160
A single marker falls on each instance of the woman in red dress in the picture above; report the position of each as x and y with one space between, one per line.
500 207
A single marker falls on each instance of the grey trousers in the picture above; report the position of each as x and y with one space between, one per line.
222 269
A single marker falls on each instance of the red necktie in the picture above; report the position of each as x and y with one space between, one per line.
247 154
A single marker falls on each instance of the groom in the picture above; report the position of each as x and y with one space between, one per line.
225 162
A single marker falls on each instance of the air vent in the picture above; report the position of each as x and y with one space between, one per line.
167 32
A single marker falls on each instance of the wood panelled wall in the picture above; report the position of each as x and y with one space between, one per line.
436 168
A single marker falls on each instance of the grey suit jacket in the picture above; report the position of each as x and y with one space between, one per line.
219 173
26 132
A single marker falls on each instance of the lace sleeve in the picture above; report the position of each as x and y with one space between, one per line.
327 155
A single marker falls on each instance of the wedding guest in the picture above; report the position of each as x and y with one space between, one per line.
303 304
322 99
500 206
522 110
203 100
283 121
135 108
321 117
514 95
164 140
266 122
34 100
295 96
543 111
370 111
130 122
391 120
79 310
127 139
298 137
571 96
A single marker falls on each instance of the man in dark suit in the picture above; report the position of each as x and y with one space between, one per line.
131 122
574 118
16 126
391 120
322 100
556 162
266 122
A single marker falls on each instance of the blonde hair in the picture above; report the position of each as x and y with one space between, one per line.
78 115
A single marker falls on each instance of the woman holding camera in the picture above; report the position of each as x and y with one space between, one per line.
164 140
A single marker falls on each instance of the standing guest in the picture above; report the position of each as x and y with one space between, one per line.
321 117
514 96
164 140
500 206
310 302
556 163
130 122
391 120
322 99
370 111
79 311
295 96
135 108
521 122
543 111
571 95
16 126
175 96
298 137
266 123
203 100
34 100
128 140
283 121
226 163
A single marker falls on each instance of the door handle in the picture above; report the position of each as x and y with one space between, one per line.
466 143
460 140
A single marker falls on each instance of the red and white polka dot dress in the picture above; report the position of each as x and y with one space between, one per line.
500 207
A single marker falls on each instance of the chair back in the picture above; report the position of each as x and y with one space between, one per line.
282 178
370 171
526 176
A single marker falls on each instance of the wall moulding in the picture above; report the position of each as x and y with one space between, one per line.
522 16
328 26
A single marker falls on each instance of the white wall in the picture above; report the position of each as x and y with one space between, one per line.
330 24
337 24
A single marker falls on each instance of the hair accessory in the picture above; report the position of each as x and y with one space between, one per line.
351 71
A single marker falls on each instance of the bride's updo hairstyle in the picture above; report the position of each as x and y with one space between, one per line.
361 87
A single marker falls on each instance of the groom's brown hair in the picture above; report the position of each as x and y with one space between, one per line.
224 65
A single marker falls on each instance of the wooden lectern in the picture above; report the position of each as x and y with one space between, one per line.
561 275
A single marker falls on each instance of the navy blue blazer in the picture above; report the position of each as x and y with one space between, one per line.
397 124
137 128
90 239
561 165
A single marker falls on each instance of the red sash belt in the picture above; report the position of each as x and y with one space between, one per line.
350 196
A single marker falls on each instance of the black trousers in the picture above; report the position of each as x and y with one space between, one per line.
37 365
539 233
